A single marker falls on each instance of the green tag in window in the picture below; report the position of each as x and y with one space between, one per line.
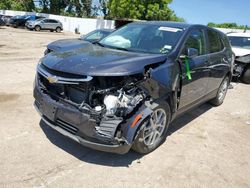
188 73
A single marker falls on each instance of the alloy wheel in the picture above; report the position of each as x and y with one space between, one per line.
155 127
223 90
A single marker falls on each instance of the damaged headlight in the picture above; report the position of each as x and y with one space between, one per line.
123 103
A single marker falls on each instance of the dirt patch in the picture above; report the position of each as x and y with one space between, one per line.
6 97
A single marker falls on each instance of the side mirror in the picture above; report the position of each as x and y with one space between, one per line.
192 52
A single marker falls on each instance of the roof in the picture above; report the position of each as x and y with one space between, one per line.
238 34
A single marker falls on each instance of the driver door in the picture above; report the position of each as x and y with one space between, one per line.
195 88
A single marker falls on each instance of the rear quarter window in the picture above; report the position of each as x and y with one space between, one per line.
215 42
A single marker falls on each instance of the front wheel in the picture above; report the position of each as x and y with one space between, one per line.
58 29
37 28
221 94
154 130
246 75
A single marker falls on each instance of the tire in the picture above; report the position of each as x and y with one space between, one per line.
246 75
37 28
151 135
58 29
221 93
51 30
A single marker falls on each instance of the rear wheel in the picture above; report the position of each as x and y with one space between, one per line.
58 29
246 75
221 94
37 28
154 130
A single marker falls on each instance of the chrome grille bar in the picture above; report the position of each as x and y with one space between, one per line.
62 80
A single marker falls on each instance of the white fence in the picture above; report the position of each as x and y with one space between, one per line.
84 25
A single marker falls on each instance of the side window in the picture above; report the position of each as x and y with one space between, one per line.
46 21
195 40
53 21
215 43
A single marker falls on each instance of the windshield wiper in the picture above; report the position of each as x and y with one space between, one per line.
99 44
113 47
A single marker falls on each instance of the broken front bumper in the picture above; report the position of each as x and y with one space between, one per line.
74 124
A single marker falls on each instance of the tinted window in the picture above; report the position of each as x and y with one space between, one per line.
195 40
215 43
53 21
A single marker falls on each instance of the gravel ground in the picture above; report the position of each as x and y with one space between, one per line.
207 147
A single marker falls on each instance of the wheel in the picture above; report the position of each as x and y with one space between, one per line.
58 29
37 28
246 75
222 91
153 131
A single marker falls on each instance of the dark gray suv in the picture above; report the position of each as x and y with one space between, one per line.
123 91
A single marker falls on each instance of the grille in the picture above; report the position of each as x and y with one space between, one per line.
74 93
66 126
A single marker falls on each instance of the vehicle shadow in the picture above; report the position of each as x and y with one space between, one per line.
85 154
108 159
187 117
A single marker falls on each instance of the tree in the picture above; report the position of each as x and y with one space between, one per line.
79 8
21 5
104 7
141 9
227 25
5 4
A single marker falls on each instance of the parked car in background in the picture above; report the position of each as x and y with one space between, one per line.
19 21
124 90
45 24
6 19
2 23
240 43
68 44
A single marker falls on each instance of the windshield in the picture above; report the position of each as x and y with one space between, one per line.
39 19
242 42
146 38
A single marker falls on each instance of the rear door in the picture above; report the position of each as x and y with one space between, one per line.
46 24
195 88
219 60
54 24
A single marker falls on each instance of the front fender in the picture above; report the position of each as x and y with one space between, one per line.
132 125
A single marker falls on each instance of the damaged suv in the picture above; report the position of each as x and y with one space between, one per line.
124 91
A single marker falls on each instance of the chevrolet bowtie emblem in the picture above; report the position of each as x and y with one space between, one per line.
52 79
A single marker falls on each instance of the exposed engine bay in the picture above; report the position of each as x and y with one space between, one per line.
240 64
109 97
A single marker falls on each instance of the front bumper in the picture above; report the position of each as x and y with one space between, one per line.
51 110
29 26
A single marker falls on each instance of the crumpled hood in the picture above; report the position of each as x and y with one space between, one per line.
66 44
93 60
